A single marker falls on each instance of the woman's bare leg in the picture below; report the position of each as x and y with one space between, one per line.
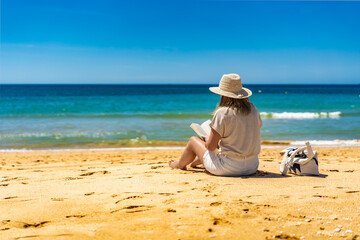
195 162
194 148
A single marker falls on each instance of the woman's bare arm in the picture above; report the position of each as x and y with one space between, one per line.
212 141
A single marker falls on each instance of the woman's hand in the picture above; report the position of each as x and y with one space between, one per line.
212 141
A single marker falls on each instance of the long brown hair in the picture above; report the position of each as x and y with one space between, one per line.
242 106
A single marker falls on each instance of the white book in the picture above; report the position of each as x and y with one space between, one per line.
202 130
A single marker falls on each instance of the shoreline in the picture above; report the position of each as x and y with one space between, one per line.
180 145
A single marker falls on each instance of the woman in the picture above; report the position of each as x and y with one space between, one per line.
235 130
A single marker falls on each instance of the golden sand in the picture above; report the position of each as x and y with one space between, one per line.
135 195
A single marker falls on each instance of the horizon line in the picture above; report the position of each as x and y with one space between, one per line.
176 83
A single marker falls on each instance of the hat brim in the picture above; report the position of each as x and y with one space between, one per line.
244 93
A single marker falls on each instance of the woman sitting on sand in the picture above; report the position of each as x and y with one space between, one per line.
235 130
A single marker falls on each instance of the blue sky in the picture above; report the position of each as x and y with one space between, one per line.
170 41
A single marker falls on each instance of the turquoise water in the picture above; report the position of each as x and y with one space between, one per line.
116 115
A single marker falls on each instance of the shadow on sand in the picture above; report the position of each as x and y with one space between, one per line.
258 174
265 174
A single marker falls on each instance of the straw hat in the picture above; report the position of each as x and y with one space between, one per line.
230 86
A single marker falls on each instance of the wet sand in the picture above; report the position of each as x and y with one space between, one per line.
135 195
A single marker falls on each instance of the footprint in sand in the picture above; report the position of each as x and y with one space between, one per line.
91 173
285 196
134 208
72 178
29 225
57 199
9 179
11 197
166 194
75 216
35 225
156 167
352 191
169 201
131 197
285 236
124 177
4 222
208 188
217 221
214 204
323 196
263 205
249 196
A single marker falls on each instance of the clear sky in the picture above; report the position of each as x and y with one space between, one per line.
109 41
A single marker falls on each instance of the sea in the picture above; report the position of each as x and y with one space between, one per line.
105 116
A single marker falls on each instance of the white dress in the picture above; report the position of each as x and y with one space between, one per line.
240 143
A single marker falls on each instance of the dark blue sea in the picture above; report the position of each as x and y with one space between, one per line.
67 116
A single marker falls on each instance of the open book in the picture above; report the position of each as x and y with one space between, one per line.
202 130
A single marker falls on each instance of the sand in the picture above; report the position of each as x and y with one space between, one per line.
135 195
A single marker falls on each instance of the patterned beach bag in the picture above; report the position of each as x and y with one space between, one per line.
300 161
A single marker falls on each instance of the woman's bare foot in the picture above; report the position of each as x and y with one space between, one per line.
175 164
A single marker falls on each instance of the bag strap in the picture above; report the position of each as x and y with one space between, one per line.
290 160
310 154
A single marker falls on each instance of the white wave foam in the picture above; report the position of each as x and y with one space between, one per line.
328 143
314 143
300 115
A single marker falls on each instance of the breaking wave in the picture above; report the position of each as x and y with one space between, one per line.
300 115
